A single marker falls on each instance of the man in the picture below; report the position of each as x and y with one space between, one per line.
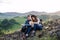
27 27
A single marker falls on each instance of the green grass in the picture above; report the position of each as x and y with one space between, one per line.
45 37
15 27
20 20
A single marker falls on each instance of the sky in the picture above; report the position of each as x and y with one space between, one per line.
22 6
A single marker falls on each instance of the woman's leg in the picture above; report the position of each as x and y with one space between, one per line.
35 27
39 27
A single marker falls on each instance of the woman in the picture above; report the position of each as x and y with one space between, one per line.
32 22
35 24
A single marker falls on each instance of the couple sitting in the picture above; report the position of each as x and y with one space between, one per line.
32 24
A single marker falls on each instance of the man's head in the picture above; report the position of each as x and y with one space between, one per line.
29 17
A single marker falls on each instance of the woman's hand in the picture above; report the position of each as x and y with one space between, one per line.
31 23
23 24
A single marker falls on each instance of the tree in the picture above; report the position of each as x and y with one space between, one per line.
12 21
4 24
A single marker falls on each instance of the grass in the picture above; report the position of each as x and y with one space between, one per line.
45 37
15 27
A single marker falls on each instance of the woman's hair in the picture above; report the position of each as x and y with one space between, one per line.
34 17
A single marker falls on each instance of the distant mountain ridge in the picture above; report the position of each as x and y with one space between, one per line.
13 14
36 13
10 14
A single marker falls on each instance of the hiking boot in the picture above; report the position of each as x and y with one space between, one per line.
27 35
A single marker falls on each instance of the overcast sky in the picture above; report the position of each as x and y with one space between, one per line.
29 5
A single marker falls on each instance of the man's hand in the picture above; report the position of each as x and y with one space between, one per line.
23 24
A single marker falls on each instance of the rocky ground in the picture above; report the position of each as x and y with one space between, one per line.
51 31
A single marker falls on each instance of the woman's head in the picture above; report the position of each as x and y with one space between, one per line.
34 18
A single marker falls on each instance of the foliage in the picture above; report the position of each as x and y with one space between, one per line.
11 25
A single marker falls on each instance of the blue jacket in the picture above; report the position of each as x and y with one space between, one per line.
27 23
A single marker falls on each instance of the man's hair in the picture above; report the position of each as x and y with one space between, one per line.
28 16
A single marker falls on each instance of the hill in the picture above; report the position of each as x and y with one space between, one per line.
10 15
14 14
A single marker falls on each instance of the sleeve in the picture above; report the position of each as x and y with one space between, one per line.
26 22
38 20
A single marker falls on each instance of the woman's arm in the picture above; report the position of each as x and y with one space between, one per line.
36 22
31 23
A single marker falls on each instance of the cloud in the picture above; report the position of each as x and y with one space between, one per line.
0 1
5 1
29 5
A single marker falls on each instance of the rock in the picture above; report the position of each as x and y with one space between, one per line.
58 35
1 38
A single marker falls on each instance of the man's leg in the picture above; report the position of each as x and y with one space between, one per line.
33 31
28 31
23 29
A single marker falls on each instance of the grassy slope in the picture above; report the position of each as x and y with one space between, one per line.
21 20
15 27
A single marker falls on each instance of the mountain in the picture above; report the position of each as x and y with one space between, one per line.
55 13
10 14
14 14
35 13
43 13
